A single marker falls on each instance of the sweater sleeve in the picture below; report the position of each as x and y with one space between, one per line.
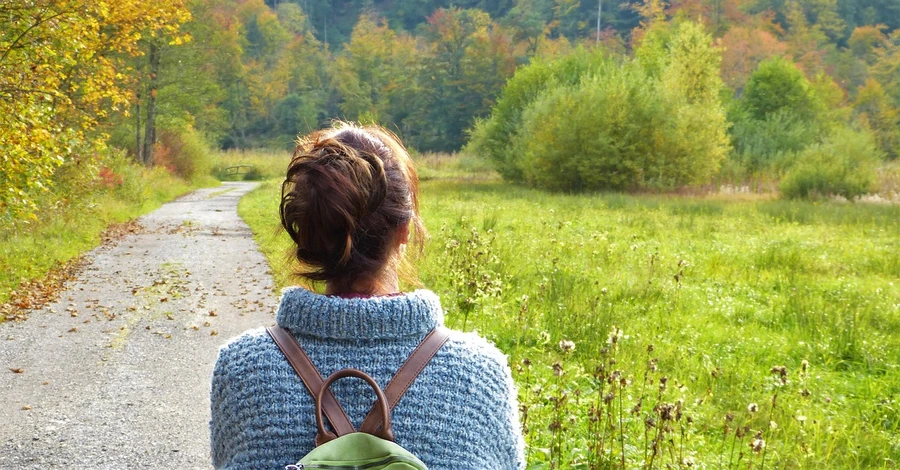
510 430
499 427
219 418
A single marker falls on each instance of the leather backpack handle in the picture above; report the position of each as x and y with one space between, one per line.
381 404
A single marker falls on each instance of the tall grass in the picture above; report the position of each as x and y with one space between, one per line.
654 332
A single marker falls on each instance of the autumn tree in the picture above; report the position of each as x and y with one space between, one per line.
375 73
743 49
61 74
465 50
876 112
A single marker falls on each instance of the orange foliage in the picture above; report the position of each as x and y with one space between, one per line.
742 51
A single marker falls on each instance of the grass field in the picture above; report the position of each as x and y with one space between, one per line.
655 332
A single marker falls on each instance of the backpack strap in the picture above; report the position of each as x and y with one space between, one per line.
404 377
311 378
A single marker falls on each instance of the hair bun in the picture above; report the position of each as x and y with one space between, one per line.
345 194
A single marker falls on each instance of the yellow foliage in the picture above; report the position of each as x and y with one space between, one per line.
62 71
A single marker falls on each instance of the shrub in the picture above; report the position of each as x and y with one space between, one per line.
769 143
620 125
843 165
778 86
493 136
619 129
183 153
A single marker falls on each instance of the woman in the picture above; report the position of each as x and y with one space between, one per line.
350 204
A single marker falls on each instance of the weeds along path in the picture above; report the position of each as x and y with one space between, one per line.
116 373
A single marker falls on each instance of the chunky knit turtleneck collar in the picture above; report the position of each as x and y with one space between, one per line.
410 314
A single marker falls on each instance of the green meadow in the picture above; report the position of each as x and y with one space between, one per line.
670 332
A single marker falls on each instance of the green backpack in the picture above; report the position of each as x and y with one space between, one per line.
372 447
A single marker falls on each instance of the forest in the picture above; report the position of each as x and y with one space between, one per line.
778 83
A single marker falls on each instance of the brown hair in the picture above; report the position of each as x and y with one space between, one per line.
347 191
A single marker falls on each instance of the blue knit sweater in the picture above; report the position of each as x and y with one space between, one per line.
459 414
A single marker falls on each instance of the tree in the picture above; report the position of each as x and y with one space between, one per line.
587 122
528 19
452 77
876 112
777 85
62 73
743 49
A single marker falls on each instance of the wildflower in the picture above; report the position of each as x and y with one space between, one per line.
649 348
687 461
637 407
526 362
566 346
802 419
665 412
545 337
805 393
752 408
781 371
558 369
804 364
773 425
614 335
609 397
651 365
758 444
729 417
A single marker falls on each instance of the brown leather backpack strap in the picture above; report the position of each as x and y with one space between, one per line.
311 378
407 374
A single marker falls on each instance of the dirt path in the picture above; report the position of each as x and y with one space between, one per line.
116 374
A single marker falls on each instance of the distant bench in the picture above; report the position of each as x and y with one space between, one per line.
238 170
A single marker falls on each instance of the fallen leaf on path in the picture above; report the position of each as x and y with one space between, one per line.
213 333
74 329
26 407
17 370
38 293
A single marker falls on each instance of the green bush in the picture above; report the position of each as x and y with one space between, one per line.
845 165
778 86
769 143
184 153
618 125
493 136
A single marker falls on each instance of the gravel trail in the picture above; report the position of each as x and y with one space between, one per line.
116 373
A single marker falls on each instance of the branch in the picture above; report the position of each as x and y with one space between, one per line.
39 22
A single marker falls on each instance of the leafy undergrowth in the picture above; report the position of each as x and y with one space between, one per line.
655 332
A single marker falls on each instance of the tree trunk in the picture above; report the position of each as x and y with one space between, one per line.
150 132
138 148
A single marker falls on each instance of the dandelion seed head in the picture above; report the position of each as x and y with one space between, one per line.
558 369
